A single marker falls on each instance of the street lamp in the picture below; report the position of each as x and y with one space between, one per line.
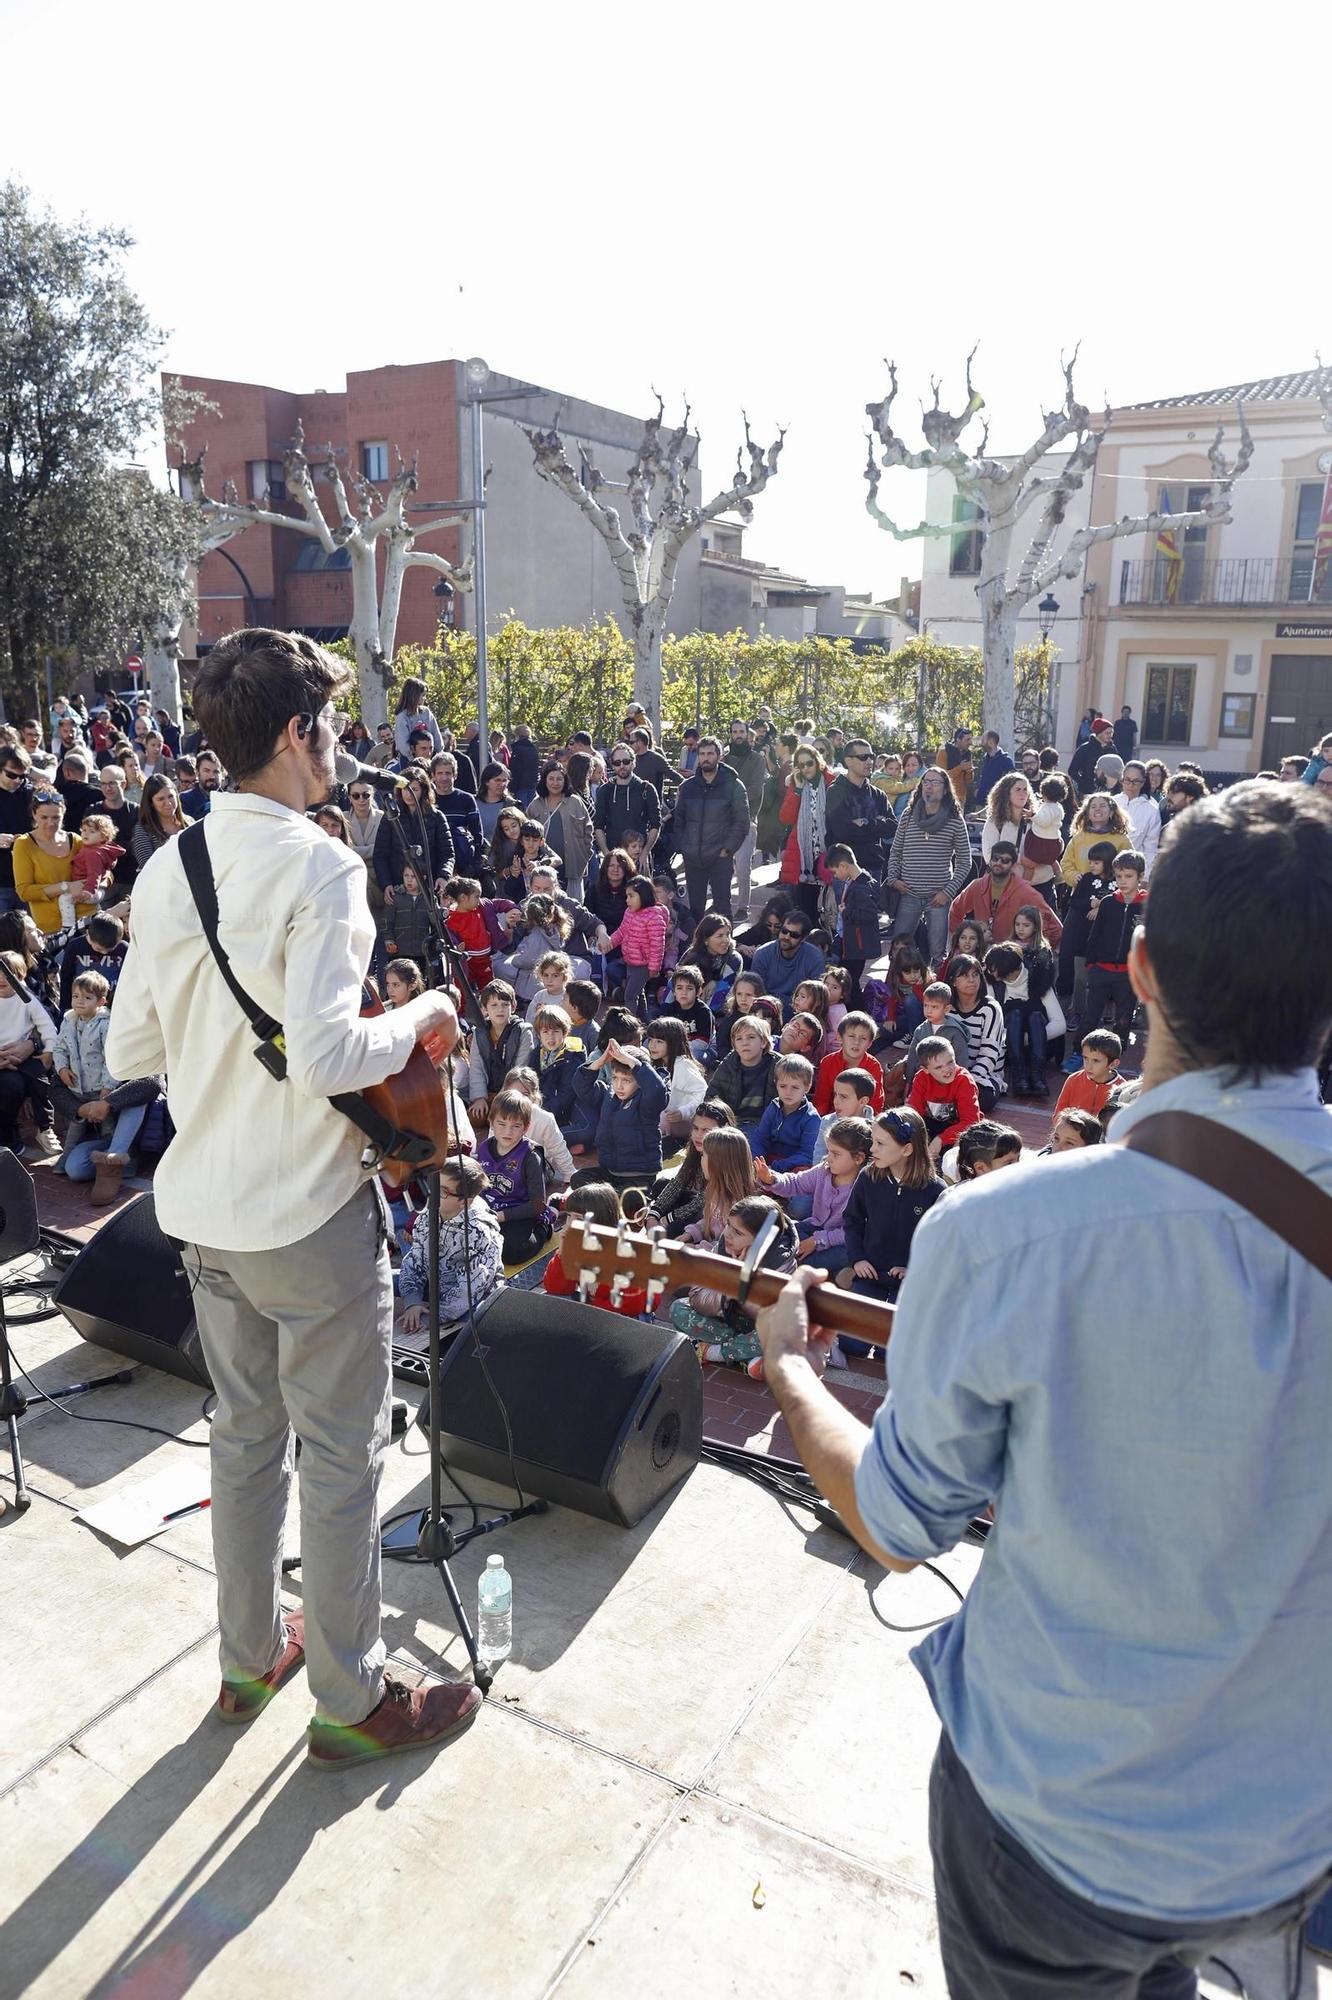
444 591
476 374
1046 613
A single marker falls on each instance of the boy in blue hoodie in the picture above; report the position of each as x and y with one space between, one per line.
790 1124
627 1113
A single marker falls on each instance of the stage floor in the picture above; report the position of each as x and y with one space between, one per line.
717 1701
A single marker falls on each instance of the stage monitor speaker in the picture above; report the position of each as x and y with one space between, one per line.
127 1290
18 1208
606 1412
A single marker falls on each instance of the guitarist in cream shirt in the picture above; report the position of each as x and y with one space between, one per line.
284 1230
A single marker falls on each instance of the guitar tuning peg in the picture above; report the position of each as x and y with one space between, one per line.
587 1284
589 1242
624 1249
660 1255
656 1291
619 1286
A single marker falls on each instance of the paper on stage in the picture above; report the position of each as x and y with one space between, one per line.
135 1514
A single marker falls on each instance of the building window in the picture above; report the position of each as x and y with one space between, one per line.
1308 511
965 556
312 555
374 461
1168 708
266 479
1237 715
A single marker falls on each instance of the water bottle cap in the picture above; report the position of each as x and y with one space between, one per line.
494 1562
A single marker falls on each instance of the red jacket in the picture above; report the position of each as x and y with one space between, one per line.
977 900
933 1099
1081 1094
831 1068
789 815
632 1302
473 934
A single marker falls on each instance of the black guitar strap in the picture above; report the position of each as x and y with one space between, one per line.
389 1142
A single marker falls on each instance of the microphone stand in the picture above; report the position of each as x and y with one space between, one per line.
428 1535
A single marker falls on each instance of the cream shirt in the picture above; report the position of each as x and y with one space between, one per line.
255 1163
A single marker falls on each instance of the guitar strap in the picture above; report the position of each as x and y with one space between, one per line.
388 1140
1278 1195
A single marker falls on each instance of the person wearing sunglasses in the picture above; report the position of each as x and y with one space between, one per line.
16 801
627 804
789 959
858 814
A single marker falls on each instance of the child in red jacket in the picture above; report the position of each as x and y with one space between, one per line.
943 1093
596 1202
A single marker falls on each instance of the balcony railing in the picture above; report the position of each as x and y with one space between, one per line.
1231 580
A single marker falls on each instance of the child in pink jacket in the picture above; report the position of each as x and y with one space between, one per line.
641 939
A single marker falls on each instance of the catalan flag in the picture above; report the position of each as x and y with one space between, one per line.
1167 551
1322 545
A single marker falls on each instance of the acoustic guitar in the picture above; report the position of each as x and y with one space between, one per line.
593 1255
414 1102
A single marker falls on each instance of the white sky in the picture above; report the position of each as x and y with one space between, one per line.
755 203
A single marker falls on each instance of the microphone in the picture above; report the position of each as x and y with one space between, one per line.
350 772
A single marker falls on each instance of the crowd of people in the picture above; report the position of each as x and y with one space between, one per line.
652 1035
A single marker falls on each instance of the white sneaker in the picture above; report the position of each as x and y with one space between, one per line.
45 1146
836 1358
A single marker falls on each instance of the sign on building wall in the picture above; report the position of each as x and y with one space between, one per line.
1304 628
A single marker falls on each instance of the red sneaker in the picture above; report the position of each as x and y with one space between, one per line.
241 1701
407 1718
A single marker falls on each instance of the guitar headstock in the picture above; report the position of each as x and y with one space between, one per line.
593 1255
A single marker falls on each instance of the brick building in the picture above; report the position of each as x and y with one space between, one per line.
543 561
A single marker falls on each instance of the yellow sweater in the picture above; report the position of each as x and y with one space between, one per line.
1074 862
34 869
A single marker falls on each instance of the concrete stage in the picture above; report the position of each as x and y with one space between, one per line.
716 1700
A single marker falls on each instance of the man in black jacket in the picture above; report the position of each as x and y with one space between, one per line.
1082 764
857 814
16 796
80 797
752 772
626 803
711 824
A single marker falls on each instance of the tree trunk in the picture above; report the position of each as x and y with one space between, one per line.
364 636
998 637
163 664
647 667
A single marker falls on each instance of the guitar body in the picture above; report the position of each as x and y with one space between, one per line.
413 1100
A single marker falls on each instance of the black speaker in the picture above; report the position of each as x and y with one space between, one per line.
18 1208
127 1290
606 1412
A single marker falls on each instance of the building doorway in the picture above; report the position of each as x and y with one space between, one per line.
1299 705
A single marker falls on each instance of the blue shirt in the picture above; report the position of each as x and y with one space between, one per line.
786 1138
1139 1374
781 976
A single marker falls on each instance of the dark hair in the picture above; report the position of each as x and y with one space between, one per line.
1103 1042
495 770
930 1046
409 697
983 1142
498 989
692 974
801 917
855 1019
947 805
147 812
1127 857
595 1201
642 891
852 1133
1242 884
585 996
619 1026
860 1081
834 856
1187 782
253 682
576 774
104 930
1085 1122
938 989
1004 847
469 1178
1104 851
462 885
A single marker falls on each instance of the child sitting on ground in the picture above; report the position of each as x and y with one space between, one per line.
25 1030
407 929
506 1045
943 1095
1072 1132
827 1189
544 1130
92 866
855 1035
982 1149
744 1079
470 1250
811 997
677 1202
940 1019
688 1006
667 1045
554 971
746 988
889 1198
1020 989
720 1328
853 1097
596 1202
836 983
802 1036
556 1064
628 1116
728 1177
515 1170
582 1003
790 1124
1089 1089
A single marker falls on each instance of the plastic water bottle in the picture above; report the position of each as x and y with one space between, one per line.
494 1612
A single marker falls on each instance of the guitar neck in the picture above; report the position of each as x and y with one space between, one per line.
829 1305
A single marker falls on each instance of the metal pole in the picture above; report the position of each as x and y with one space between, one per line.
479 586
